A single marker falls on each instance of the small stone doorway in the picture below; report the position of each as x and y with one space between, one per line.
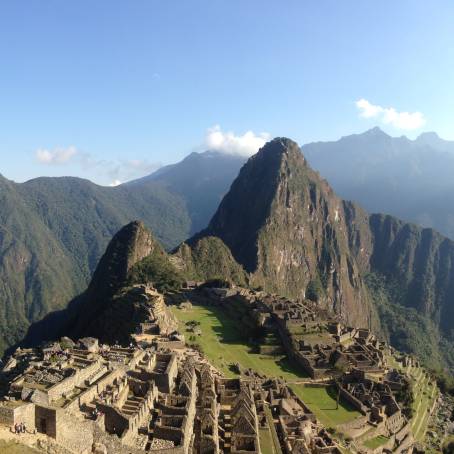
42 426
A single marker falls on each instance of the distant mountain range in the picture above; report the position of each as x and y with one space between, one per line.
201 180
410 179
54 230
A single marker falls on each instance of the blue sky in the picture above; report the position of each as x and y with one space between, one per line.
108 90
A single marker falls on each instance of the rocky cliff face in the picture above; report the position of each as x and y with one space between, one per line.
420 261
130 245
285 225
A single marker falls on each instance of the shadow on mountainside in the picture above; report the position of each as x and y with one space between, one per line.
51 327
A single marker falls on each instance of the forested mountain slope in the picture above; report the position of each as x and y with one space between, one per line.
53 231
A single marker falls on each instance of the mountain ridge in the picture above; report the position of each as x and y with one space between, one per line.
284 224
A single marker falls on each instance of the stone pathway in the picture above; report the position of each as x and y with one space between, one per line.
38 441
26 439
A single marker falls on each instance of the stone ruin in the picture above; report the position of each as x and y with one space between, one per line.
157 395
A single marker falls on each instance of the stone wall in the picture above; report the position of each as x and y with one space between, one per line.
6 415
141 416
74 434
26 414
69 383
10 415
271 349
352 400
394 422
114 421
360 422
94 390
165 380
172 345
38 396
403 432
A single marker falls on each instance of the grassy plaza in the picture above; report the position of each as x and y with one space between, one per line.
224 342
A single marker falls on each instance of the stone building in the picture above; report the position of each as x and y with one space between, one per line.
373 399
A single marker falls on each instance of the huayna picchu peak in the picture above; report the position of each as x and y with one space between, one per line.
288 229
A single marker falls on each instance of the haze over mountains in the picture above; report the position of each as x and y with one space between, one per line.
410 179
54 230
200 179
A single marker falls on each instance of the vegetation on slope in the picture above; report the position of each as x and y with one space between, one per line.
157 270
33 265
208 258
53 231
405 328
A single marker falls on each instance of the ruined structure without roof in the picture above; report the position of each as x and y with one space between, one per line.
158 395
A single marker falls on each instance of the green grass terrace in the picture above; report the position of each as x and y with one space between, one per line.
376 442
322 402
425 392
224 341
14 447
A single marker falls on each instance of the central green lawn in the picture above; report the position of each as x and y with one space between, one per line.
322 402
374 443
224 342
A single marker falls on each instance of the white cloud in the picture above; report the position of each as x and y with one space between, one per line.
57 156
111 172
389 115
227 142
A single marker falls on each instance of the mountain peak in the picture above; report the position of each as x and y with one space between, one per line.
247 205
129 246
280 146
274 153
428 135
430 138
375 132
274 220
